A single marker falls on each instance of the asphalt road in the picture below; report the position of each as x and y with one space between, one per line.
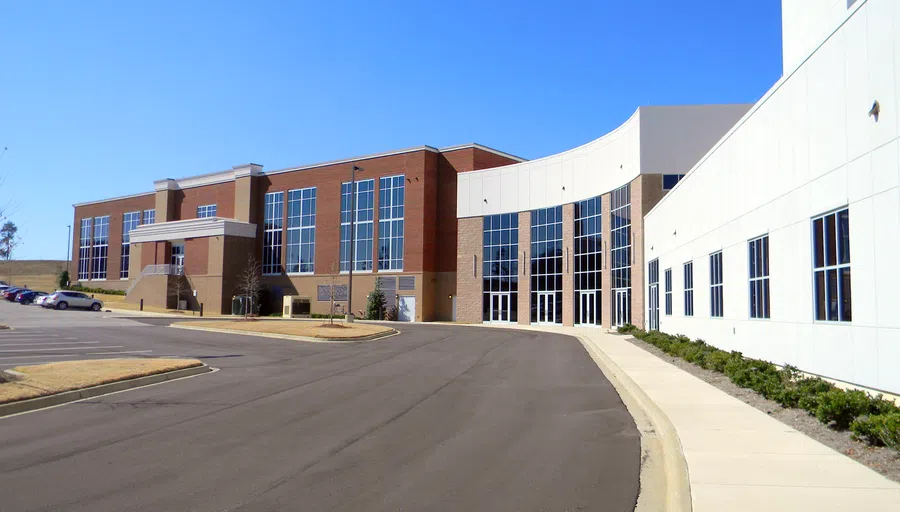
437 418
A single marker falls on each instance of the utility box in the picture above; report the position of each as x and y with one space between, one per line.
296 307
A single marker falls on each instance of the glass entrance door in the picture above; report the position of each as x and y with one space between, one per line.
654 307
587 308
500 307
623 307
546 308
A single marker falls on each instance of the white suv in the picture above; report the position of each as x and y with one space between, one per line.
65 299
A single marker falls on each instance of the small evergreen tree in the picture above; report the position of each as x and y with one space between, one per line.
375 305
64 279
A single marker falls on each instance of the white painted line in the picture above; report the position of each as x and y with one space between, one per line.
123 352
48 343
46 355
61 348
28 335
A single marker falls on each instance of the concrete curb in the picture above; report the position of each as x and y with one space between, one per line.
664 473
371 337
103 389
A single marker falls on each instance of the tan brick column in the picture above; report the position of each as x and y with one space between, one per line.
524 298
637 249
165 202
606 295
470 232
568 238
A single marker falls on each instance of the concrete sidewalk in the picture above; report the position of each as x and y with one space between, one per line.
738 457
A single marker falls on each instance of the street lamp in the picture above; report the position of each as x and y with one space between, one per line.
68 247
352 241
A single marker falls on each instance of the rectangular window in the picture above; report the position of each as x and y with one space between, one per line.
831 266
668 292
500 270
149 217
620 253
84 251
391 200
363 224
301 231
208 210
670 180
272 232
716 306
689 288
759 276
100 247
546 265
130 221
588 261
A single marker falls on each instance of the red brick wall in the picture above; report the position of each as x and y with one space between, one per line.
487 160
115 209
196 256
220 194
327 181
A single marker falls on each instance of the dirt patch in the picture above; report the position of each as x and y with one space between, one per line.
295 328
883 460
49 379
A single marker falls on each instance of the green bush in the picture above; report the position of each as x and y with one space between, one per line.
878 405
626 329
878 429
85 289
716 360
324 315
841 407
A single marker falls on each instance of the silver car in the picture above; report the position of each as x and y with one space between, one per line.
65 299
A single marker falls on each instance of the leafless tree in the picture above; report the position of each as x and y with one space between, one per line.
333 273
178 287
250 282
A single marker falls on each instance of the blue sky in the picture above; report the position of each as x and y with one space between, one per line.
98 99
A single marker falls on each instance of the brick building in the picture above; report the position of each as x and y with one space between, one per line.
559 240
198 233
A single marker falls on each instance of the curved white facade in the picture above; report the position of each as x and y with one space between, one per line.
654 140
808 147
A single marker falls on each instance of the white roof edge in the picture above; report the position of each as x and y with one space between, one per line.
483 148
88 203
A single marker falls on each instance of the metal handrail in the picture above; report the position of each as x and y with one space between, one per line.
163 270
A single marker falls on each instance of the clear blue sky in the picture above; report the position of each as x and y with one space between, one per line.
98 99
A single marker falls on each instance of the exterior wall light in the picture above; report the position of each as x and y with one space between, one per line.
875 110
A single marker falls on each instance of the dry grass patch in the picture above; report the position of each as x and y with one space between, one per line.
49 379
296 328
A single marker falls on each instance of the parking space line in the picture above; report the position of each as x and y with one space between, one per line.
37 355
48 343
61 348
123 352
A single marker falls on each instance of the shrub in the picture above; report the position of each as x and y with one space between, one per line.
325 315
878 429
63 279
85 289
716 360
375 303
626 329
841 407
878 405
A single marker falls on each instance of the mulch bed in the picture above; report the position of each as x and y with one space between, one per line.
883 460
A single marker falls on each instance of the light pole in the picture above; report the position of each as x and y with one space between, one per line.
352 240
68 259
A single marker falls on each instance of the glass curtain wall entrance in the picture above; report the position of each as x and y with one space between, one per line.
620 212
546 265
500 268
588 261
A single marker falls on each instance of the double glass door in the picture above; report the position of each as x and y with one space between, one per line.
588 308
546 308
654 307
622 310
501 307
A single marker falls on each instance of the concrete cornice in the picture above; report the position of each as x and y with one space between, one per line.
119 198
192 228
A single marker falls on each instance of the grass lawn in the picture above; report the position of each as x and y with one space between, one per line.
316 329
49 379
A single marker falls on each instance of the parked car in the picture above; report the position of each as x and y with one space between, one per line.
39 300
66 299
10 293
29 296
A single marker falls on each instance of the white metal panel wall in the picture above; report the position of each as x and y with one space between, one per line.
808 147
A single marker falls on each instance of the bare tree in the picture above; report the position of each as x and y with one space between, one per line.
333 273
178 287
250 282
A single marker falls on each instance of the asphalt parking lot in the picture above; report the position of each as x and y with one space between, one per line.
437 418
